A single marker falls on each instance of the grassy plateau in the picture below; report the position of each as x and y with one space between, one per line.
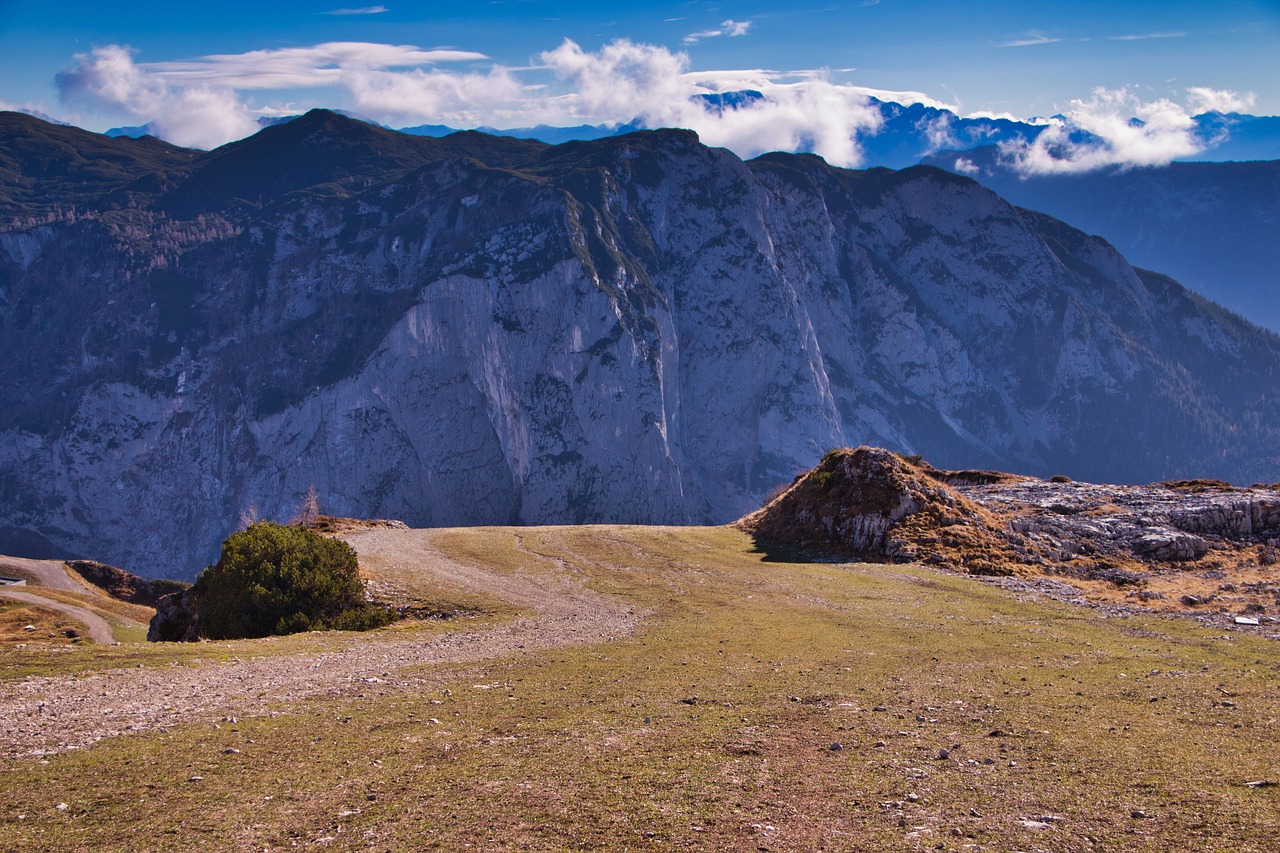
759 704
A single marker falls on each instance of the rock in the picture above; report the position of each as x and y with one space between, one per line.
943 754
1245 620
1138 814
175 620
1171 546
62 807
836 747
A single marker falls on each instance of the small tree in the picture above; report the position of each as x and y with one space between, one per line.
278 579
309 510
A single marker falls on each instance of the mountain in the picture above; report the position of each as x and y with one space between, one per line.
1212 226
476 330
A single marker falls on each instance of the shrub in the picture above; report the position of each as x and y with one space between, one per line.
278 579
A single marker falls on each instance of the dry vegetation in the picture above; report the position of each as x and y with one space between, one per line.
712 726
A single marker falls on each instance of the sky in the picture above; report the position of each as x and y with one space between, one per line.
204 72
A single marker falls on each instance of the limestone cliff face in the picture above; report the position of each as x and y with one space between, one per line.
640 329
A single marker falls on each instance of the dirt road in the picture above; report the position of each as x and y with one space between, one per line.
50 573
45 715
99 629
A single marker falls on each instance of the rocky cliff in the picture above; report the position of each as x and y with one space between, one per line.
639 329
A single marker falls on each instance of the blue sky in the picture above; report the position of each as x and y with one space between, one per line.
207 68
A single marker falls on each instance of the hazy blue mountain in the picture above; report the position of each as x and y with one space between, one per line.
1212 226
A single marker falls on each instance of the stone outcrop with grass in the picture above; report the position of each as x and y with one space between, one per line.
1176 544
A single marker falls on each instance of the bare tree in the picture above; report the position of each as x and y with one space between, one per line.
309 511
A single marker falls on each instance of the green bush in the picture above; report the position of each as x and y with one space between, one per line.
278 579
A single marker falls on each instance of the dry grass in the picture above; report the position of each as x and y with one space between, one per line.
712 727
46 626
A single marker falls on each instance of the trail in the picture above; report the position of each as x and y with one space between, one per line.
46 715
99 629
50 573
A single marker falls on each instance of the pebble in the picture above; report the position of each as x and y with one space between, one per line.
196 779
62 807
231 750
836 747
1138 814
944 754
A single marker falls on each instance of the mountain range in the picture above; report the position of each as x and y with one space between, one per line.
475 329
1209 222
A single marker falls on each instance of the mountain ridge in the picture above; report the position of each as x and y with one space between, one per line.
637 329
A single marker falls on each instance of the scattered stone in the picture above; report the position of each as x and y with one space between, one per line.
692 700
944 754
1261 783
231 750
880 708
1246 620
62 807
879 744
913 798
1036 824
836 747
1139 814
196 779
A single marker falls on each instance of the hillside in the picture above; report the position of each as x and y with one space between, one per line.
637 329
1211 226
623 688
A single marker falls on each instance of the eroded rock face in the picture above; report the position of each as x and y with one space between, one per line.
641 329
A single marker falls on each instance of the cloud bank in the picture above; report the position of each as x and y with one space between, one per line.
210 100
1113 128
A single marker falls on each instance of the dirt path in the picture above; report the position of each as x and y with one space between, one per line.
45 715
99 629
50 573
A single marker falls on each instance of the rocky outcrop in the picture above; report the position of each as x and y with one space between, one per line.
176 620
125 585
870 504
640 329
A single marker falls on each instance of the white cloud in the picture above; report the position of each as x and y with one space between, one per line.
730 28
362 10
199 116
198 102
624 80
1030 39
1146 36
300 67
417 95
1205 100
1113 128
